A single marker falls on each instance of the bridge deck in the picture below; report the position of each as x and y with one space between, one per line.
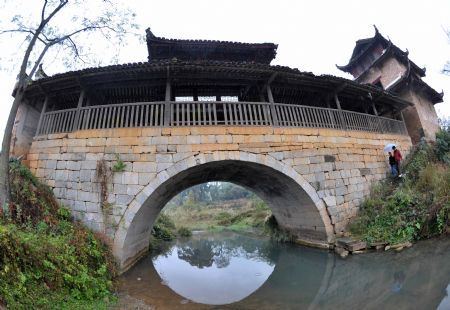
212 113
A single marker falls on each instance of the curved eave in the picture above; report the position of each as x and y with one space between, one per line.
117 75
355 58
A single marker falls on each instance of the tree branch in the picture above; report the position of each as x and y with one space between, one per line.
43 10
38 61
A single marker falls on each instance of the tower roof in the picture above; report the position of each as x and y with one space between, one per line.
160 48
366 46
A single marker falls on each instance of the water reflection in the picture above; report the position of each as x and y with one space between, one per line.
302 278
215 270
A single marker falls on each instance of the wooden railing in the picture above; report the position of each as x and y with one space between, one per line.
213 113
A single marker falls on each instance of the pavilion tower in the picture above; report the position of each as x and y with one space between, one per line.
377 61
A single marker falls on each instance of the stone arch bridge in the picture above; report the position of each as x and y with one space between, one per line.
312 178
201 111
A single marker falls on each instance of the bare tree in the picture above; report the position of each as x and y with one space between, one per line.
61 28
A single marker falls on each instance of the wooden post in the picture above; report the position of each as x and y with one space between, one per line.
272 106
341 115
167 103
78 112
405 130
44 109
195 94
374 108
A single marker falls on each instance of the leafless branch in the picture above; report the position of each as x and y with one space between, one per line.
43 10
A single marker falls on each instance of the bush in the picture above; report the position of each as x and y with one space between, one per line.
164 228
46 259
414 209
184 232
443 145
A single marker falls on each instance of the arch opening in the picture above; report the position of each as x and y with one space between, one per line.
293 202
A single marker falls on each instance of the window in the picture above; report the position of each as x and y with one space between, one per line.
184 98
206 98
229 98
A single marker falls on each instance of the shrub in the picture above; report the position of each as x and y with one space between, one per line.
443 145
46 259
413 209
184 232
164 228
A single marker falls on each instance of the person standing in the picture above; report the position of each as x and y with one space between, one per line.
393 165
398 157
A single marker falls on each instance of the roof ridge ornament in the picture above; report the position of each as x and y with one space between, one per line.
376 29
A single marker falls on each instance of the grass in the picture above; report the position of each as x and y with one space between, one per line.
48 261
237 215
417 207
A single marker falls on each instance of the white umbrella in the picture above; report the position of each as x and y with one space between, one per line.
388 147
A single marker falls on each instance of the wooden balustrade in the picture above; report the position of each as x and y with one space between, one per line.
212 113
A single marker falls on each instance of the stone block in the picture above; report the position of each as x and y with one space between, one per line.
144 167
89 164
50 164
120 189
193 139
208 139
330 201
61 165
162 166
224 139
73 176
61 175
351 244
302 169
145 178
163 158
130 178
339 199
73 156
96 142
124 199
316 159
93 207
171 148
132 190
87 175
161 148
79 206
342 190
329 158
88 196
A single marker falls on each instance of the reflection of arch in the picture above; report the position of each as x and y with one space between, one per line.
293 201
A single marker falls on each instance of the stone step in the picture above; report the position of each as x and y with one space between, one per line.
351 244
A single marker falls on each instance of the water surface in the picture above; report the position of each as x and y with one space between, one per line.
232 271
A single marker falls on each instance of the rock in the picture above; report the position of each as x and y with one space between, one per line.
401 245
388 247
399 249
360 251
343 253
351 244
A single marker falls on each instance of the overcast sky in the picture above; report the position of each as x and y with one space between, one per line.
311 35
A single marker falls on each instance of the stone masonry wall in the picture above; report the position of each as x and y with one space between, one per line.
340 165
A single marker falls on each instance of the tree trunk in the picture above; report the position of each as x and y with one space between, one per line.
4 157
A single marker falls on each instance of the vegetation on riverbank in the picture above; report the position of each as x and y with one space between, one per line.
213 207
46 259
417 206
236 215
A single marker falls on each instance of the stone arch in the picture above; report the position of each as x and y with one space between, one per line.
293 201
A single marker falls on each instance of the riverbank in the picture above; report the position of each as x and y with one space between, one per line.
235 215
47 260
401 211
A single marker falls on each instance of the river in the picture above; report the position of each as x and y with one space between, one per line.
236 271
